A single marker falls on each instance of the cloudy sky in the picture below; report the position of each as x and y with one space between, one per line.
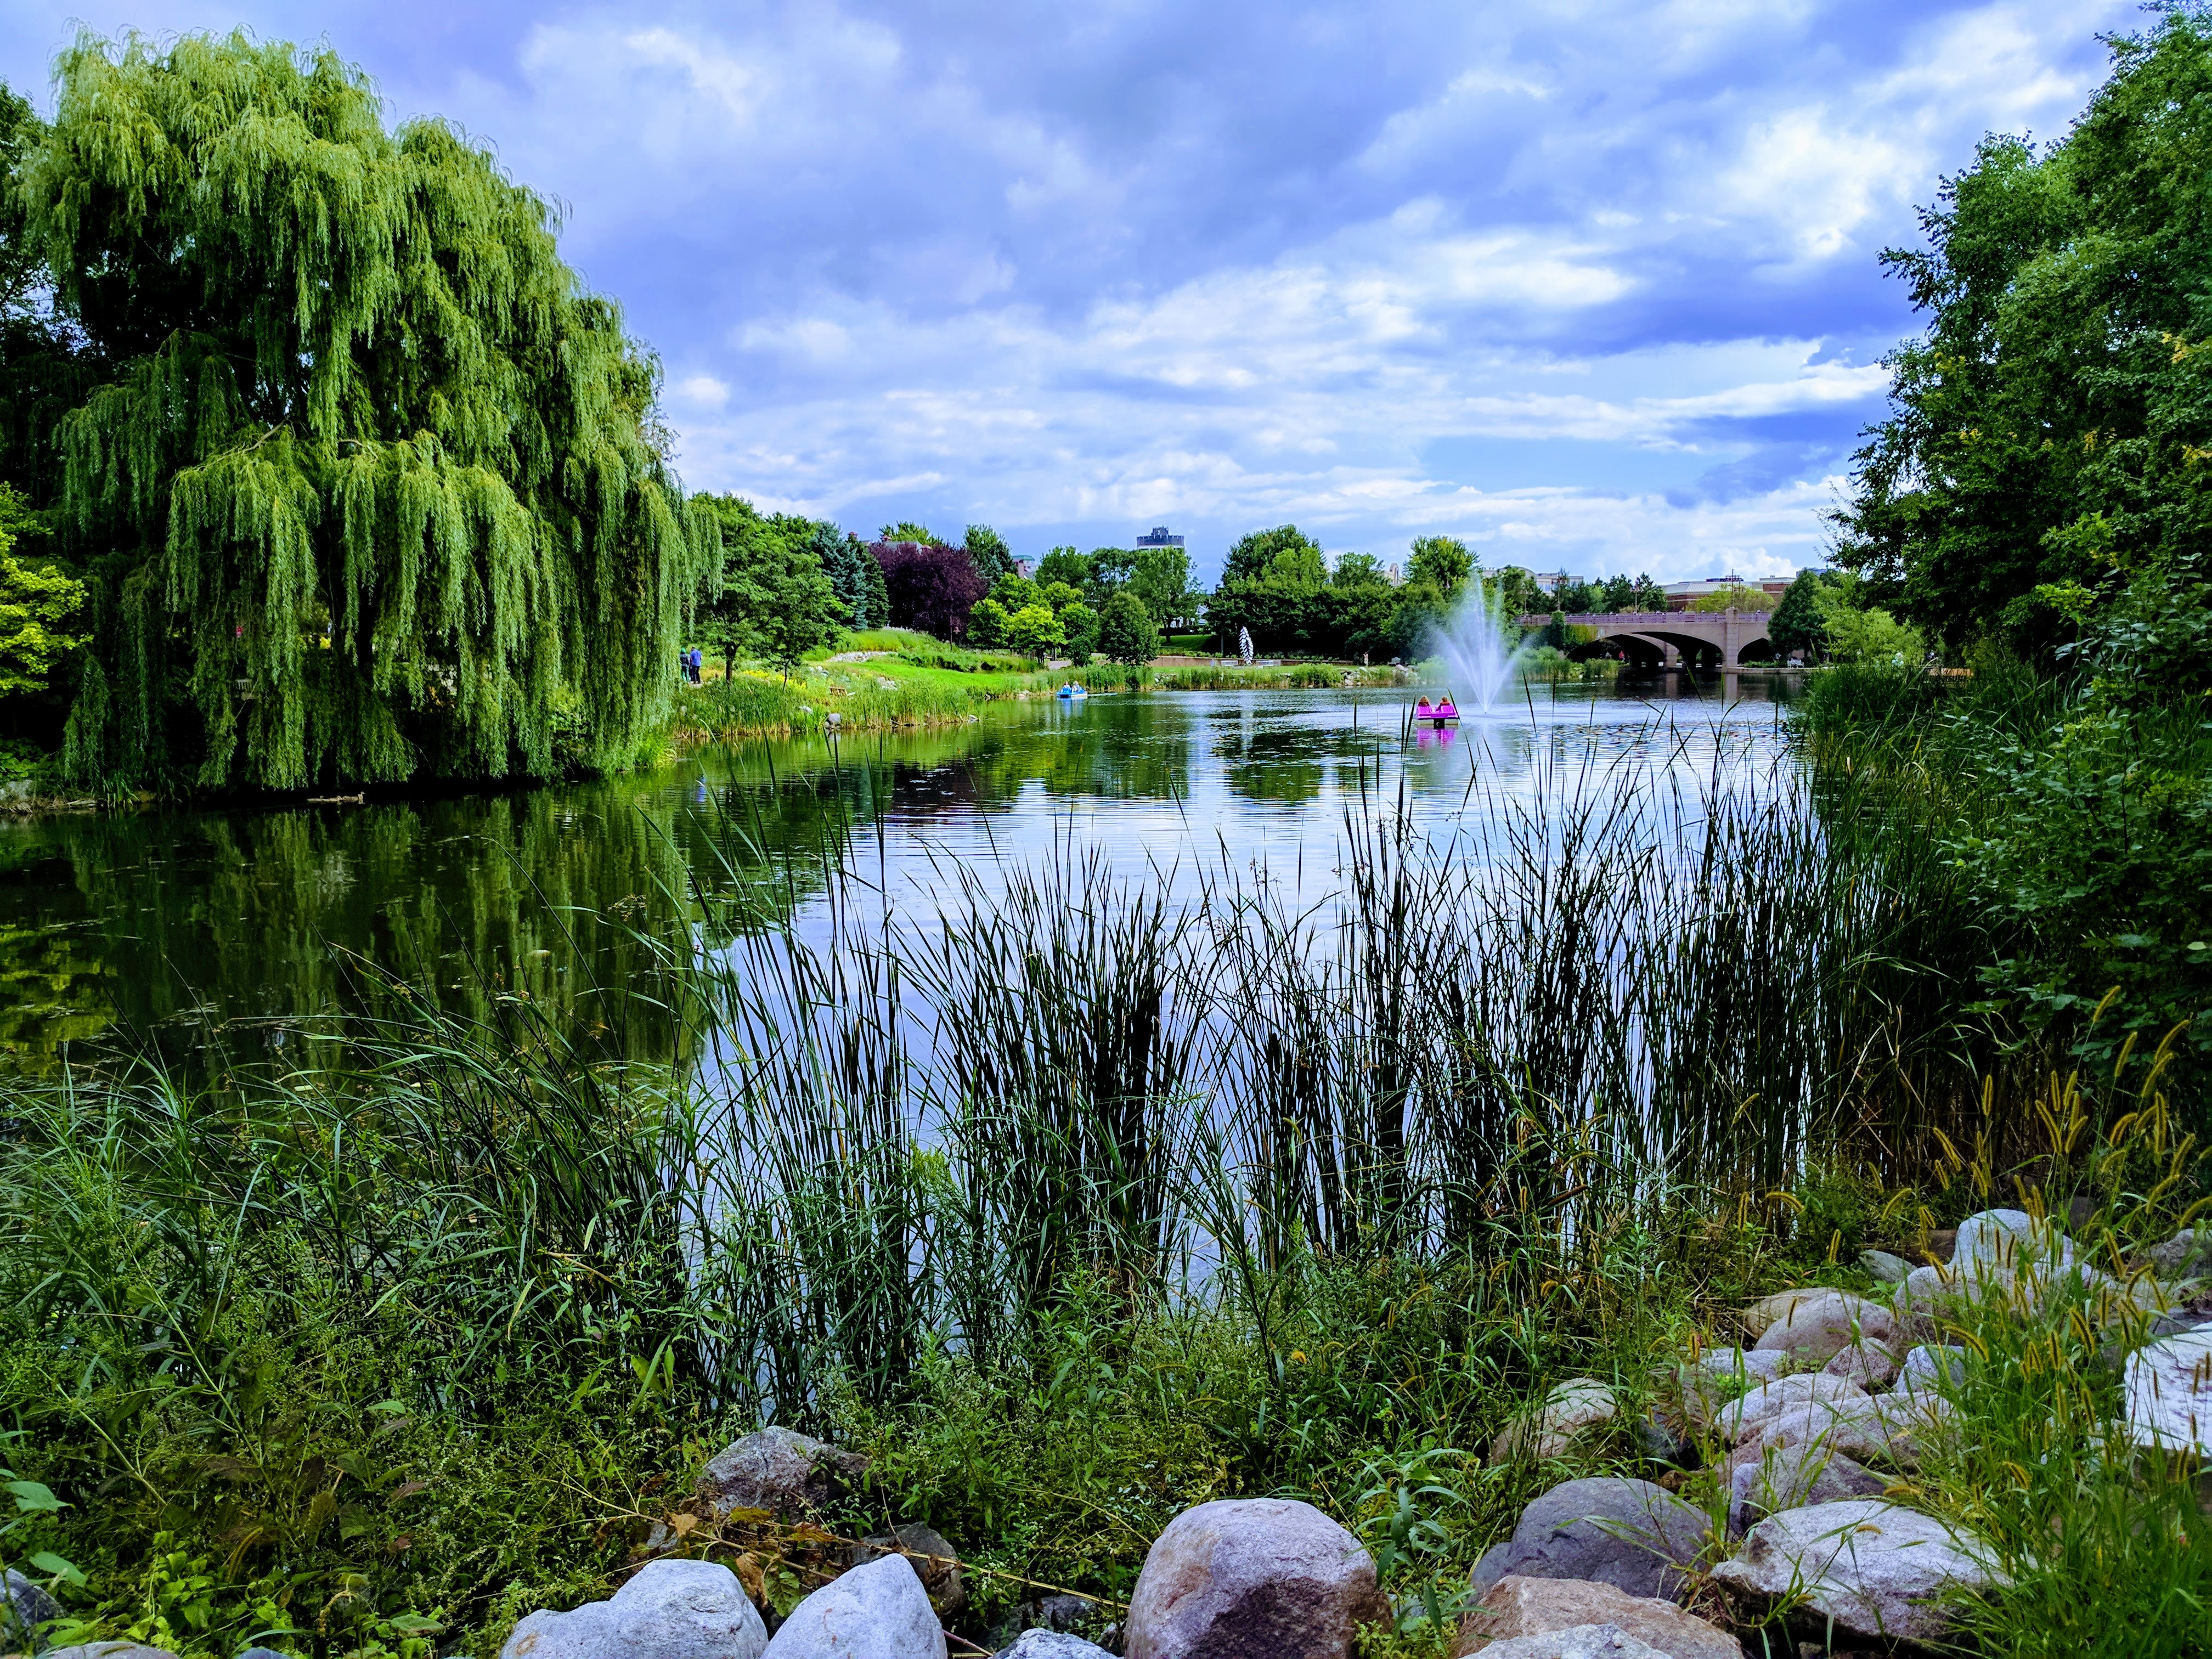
1592 285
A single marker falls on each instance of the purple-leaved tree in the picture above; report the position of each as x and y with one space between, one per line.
932 586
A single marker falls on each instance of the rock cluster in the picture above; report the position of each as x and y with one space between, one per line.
1814 1422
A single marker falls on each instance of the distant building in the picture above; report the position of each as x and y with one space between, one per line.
1025 569
1551 580
1680 594
1159 537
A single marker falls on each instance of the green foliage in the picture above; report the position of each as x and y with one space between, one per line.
38 604
906 530
1126 633
770 597
1161 581
986 624
1440 563
1796 626
2049 429
347 392
988 552
1252 556
1035 631
1079 623
1855 634
1739 597
1066 566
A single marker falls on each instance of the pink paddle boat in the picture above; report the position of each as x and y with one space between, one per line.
1438 714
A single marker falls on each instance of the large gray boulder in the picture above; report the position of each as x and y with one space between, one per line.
1518 1607
1932 1365
1629 1533
2187 1255
1869 1363
1546 1430
1858 1428
1796 1477
668 1610
1746 1418
109 1650
1863 1566
2007 1238
1052 1645
2169 1393
780 1472
1252 1578
1581 1641
1815 1329
877 1611
1887 1269
934 1561
26 1606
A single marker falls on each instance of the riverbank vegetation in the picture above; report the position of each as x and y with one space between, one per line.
1069 1207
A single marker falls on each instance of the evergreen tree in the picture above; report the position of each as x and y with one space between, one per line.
844 560
369 486
988 552
1796 624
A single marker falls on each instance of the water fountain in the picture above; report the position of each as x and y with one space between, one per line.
1480 664
1244 645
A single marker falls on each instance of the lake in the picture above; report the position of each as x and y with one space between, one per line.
175 928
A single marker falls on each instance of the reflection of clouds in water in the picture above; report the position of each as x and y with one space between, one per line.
148 920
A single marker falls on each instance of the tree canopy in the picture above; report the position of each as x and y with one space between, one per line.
2047 436
770 596
364 484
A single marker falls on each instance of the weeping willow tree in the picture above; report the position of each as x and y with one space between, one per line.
368 487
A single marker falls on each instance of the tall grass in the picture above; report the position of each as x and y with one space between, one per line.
1072 1202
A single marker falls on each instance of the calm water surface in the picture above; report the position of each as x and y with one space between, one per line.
165 928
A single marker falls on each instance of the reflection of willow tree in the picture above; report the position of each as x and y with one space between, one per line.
553 896
258 925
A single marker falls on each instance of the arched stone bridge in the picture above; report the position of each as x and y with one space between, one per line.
1666 638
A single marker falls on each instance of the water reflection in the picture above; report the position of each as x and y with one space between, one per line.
167 925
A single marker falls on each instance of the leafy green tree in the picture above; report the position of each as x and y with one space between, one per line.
1357 570
1019 592
769 598
1080 622
1161 580
906 530
986 624
1035 631
1619 594
1577 598
988 552
1056 596
1441 564
346 389
2047 432
39 606
1064 564
1127 634
1252 556
1111 569
1796 627
1738 596
1856 634
1513 592
1647 595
